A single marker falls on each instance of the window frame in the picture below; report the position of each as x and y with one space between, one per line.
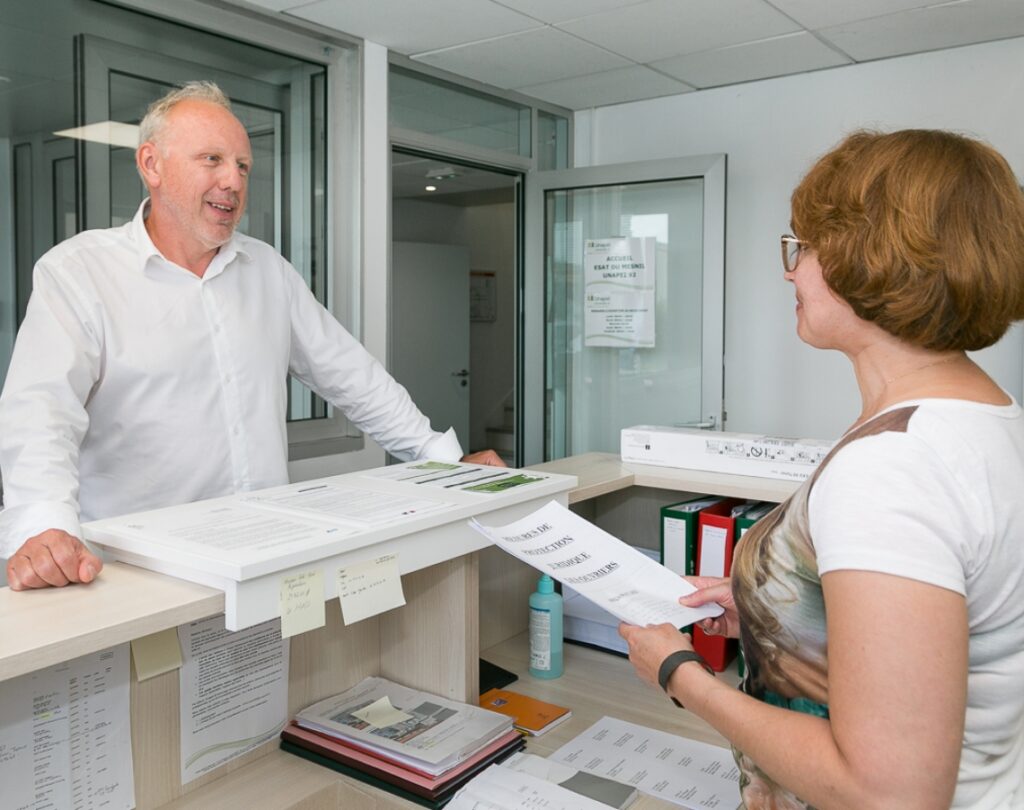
341 55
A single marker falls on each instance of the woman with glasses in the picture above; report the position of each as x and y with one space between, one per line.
881 608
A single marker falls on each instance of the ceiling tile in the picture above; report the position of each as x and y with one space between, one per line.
944 26
611 87
533 57
411 26
814 14
659 29
779 56
556 11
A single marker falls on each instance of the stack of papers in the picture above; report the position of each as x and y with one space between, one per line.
411 743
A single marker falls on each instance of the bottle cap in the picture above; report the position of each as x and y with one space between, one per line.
546 584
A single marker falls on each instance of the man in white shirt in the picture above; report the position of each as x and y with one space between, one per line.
151 365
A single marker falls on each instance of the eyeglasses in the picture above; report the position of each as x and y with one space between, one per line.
791 250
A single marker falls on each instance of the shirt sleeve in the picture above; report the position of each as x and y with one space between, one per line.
54 366
329 360
888 503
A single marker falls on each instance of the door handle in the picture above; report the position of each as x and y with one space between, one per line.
710 424
463 373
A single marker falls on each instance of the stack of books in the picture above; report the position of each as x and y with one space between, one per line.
413 744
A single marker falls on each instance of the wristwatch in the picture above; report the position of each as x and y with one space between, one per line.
672 662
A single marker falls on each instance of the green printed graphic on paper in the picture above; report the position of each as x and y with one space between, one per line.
503 484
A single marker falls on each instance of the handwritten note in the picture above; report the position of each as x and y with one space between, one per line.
156 654
302 603
381 714
369 587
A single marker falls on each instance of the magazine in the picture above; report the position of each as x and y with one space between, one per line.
420 730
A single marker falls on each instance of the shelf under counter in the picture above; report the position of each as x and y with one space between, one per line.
604 473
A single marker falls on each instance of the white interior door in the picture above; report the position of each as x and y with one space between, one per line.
430 330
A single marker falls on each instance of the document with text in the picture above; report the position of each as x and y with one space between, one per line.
598 566
65 735
234 692
685 772
452 475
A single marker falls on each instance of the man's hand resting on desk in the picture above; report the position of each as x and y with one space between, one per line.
486 457
52 558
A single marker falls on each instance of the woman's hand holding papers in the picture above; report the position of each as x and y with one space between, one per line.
650 645
714 589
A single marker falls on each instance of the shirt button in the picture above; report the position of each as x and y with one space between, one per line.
216 329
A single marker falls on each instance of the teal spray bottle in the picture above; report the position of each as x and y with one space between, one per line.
545 630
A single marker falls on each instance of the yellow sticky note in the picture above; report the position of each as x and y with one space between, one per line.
302 603
156 654
381 714
369 587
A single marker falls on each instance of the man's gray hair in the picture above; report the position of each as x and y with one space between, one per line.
156 115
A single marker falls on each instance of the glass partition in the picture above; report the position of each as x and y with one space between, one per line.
422 103
624 304
67 64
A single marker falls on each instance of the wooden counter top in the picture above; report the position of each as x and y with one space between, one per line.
44 627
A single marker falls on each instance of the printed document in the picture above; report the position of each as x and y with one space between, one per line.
457 476
65 735
362 508
499 788
234 692
678 770
608 572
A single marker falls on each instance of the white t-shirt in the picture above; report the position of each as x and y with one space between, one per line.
963 531
135 384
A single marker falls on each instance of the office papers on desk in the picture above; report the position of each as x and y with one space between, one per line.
65 735
602 568
679 770
233 692
222 536
599 788
438 735
500 788
460 477
355 506
246 544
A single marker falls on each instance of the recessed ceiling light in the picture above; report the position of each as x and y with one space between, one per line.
430 188
113 133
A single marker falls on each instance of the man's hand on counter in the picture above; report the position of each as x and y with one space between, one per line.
486 457
53 558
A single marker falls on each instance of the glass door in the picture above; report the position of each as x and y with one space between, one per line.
626 269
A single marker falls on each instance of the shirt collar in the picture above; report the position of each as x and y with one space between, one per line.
234 248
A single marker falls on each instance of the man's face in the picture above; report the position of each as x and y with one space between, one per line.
204 162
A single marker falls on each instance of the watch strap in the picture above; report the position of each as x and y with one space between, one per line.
675 660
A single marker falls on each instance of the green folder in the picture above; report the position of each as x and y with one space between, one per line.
679 533
750 516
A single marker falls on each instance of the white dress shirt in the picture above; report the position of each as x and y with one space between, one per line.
135 384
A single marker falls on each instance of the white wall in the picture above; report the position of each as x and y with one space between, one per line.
772 131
